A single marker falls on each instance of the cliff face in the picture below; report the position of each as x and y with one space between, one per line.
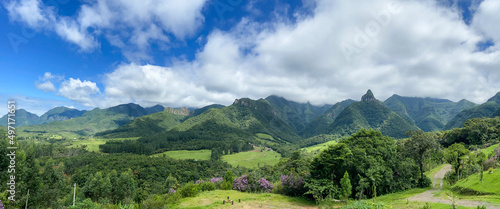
368 96
182 111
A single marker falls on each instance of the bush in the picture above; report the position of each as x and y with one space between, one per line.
427 206
424 182
451 177
264 185
227 183
490 170
241 184
278 188
293 185
206 186
189 190
217 181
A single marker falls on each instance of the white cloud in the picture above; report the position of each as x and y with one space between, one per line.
83 92
46 86
487 18
148 21
417 48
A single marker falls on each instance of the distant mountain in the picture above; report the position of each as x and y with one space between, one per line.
488 109
248 116
59 114
148 124
321 123
370 114
296 115
93 121
199 111
154 109
22 118
428 114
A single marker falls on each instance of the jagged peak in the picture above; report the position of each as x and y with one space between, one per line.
368 96
181 111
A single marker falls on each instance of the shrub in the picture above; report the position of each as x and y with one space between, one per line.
190 190
293 185
427 206
217 181
207 186
264 185
227 183
424 182
241 184
278 188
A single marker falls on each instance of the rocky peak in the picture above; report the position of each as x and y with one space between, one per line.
368 96
182 111
243 102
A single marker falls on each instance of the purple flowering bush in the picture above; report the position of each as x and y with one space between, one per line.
293 185
171 191
264 185
241 184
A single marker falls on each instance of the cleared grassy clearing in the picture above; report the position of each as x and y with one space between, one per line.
187 154
253 158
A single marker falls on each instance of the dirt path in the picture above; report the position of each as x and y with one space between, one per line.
428 196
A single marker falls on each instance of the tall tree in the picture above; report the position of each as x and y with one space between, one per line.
345 182
418 146
455 155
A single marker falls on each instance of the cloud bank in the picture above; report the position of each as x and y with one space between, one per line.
412 48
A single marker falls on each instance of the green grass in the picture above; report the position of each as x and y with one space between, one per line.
92 144
252 159
399 200
490 184
213 199
319 147
489 150
187 154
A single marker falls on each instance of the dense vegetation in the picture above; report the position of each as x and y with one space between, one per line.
372 151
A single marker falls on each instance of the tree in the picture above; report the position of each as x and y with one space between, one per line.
227 183
419 145
455 155
363 184
346 187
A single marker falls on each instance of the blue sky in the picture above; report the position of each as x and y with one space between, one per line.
87 54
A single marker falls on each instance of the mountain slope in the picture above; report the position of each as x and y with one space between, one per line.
428 114
296 115
91 122
59 114
370 114
323 121
487 109
251 116
148 124
22 118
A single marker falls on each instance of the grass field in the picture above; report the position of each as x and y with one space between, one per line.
92 144
213 199
319 147
252 159
187 154
489 150
490 184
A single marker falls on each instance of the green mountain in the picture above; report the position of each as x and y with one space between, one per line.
296 115
321 123
59 114
199 111
428 114
487 109
249 116
22 118
91 122
370 114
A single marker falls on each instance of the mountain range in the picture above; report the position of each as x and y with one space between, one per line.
274 119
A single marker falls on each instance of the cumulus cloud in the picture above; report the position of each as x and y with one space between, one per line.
411 48
83 92
45 83
149 21
487 18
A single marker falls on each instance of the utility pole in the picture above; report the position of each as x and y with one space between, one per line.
74 194
27 199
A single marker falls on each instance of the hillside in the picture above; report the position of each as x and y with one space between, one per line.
428 114
296 115
22 117
370 114
148 124
488 109
91 122
59 114
323 121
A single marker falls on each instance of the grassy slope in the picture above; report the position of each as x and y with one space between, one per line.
489 150
252 159
490 184
187 154
92 144
213 199
319 147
